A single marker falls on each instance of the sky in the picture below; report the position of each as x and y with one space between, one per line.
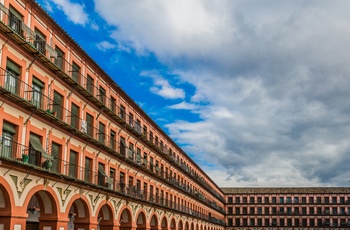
256 92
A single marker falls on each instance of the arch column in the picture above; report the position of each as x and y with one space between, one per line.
10 222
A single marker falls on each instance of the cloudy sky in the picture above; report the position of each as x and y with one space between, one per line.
256 92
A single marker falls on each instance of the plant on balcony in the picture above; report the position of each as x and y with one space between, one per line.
48 164
25 158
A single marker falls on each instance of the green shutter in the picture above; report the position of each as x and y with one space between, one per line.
38 82
9 128
13 67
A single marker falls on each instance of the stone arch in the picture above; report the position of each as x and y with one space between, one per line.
79 213
141 221
172 224
42 208
5 204
105 217
164 223
186 225
153 222
125 219
192 226
181 226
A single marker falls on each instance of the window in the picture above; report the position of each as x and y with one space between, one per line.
38 87
59 61
122 146
101 174
296 200
230 222
40 41
113 104
145 131
131 119
230 200
251 200
57 105
101 132
296 222
244 210
303 200
76 72
102 95
36 150
89 125
12 76
334 200
90 84
266 211
56 154
113 140
238 222
326 200
15 21
319 199
74 122
244 200
252 222
156 141
237 200
122 112
342 200
274 200
281 200
267 222
259 200
8 134
88 169
259 210
229 210
122 181
238 211
73 164
138 156
311 200
289 222
138 126
312 210
281 222
266 200
312 222
289 200
151 136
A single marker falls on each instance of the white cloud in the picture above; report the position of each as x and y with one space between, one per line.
273 77
184 105
105 45
162 86
74 11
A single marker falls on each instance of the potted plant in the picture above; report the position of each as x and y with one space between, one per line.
48 164
25 158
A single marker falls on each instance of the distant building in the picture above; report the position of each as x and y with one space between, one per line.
76 152
287 208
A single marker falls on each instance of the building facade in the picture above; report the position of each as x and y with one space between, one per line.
76 151
287 208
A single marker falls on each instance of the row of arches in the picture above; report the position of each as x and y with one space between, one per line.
45 207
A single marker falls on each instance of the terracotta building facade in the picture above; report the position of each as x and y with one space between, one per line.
76 152
287 208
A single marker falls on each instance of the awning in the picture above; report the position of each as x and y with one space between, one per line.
101 170
35 143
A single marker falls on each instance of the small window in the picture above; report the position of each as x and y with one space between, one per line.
76 72
102 95
57 107
75 116
101 132
13 72
59 61
90 84
8 145
40 41
37 92
15 20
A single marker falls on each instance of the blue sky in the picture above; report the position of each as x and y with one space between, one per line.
256 92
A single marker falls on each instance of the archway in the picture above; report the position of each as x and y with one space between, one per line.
125 220
105 218
41 211
180 225
164 224
141 221
154 223
79 215
192 226
5 208
186 226
173 224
